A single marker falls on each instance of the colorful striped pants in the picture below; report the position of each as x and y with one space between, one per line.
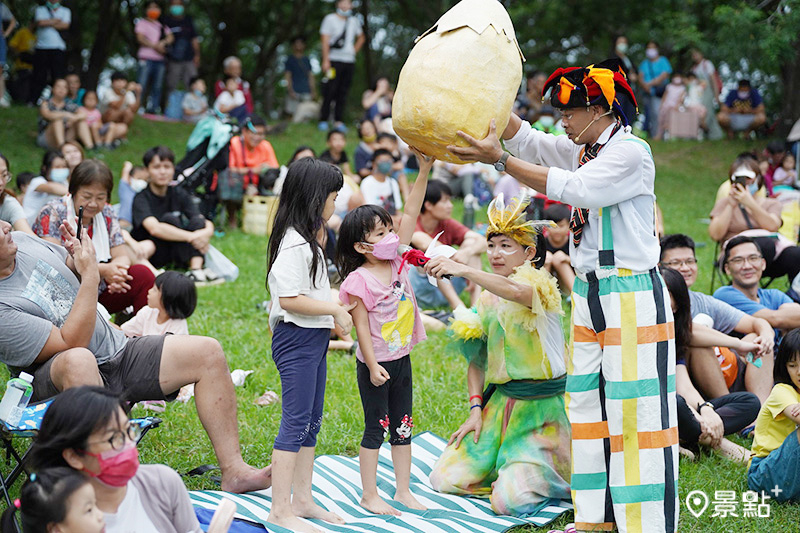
621 403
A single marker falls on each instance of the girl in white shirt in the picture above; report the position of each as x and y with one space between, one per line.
301 318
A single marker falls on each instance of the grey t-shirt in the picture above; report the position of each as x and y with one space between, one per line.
11 210
39 295
725 316
334 27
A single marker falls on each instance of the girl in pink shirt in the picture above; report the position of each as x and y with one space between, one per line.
388 324
170 301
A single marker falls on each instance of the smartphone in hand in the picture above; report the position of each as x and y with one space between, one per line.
80 222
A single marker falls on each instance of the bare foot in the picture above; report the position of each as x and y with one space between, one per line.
247 479
376 504
312 510
292 523
408 499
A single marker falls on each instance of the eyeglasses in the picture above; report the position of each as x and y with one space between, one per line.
677 263
739 261
119 437
5 176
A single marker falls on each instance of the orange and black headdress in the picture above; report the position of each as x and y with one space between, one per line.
604 83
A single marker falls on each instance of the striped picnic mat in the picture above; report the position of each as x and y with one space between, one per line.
337 488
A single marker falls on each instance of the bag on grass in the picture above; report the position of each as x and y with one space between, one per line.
221 265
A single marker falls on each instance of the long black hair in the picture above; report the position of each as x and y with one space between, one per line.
676 286
305 191
788 350
43 500
69 421
357 224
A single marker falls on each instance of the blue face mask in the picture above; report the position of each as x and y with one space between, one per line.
59 175
752 189
53 5
344 13
384 167
176 10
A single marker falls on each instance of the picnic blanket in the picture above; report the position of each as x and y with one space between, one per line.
337 487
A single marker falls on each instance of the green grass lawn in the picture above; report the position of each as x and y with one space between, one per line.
688 176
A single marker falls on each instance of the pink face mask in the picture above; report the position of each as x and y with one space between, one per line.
386 248
117 467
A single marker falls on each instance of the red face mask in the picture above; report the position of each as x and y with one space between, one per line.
117 467
153 14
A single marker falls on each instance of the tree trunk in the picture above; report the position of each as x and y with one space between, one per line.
368 67
790 75
107 24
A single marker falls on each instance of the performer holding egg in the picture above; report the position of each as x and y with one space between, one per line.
621 377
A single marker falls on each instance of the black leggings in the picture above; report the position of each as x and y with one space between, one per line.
737 410
387 409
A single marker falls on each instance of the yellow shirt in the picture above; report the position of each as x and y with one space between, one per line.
772 426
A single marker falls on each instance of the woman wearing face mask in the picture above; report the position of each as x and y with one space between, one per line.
123 285
746 211
50 185
87 429
153 38
654 74
620 51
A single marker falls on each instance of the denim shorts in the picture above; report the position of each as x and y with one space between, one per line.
779 468
428 296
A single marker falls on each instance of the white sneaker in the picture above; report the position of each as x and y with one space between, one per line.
198 276
212 278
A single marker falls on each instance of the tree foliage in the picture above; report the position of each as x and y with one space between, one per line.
750 37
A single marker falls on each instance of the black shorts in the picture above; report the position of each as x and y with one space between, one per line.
133 373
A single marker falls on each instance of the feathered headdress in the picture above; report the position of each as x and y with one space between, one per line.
584 86
510 220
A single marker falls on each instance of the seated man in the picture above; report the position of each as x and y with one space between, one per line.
717 371
742 110
251 156
169 218
745 264
435 217
52 330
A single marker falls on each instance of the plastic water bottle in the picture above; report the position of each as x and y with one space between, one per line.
469 211
15 400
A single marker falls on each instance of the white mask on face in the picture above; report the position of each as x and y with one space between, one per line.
622 48
651 53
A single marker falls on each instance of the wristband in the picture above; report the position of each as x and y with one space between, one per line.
476 405
705 404
478 396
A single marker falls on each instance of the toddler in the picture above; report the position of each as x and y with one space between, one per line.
785 175
94 118
776 439
388 324
195 104
56 499
170 301
231 101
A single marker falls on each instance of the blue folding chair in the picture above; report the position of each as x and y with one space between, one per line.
27 428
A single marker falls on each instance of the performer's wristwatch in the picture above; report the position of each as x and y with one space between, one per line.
500 164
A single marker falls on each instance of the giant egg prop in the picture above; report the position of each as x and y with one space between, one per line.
461 73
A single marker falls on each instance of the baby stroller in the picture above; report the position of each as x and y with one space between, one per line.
207 153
